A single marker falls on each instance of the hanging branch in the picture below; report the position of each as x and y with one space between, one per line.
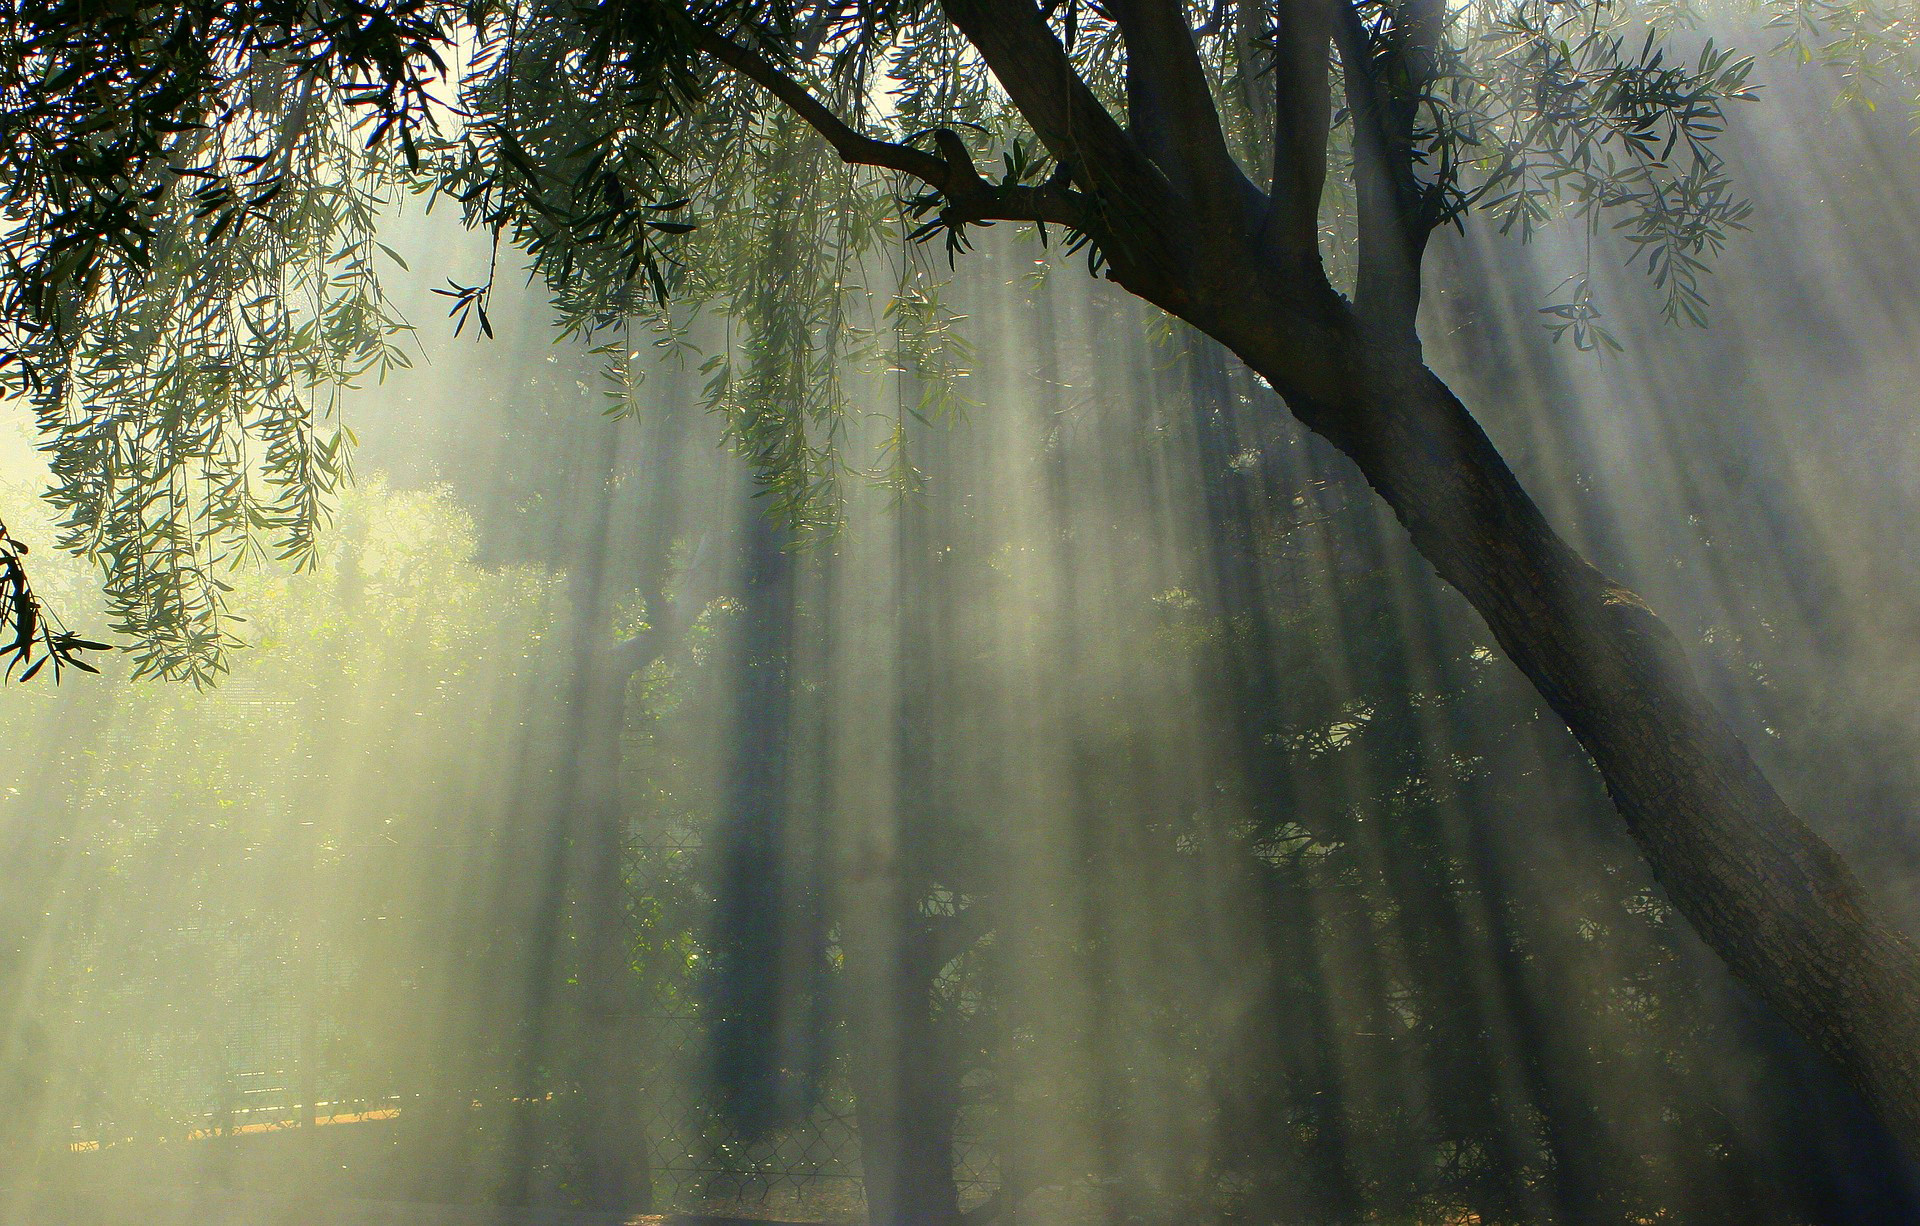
28 626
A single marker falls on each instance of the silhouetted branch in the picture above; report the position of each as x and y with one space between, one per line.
30 625
1170 107
972 199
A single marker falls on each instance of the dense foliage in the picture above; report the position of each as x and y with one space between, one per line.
194 193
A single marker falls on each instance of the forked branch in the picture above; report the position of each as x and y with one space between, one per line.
1388 67
1302 118
972 199
1170 107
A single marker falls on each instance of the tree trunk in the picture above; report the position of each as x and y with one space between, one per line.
1763 890
906 1139
765 980
582 1036
604 1035
904 1072
1766 893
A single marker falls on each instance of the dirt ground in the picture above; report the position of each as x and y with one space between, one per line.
374 1172
195 1207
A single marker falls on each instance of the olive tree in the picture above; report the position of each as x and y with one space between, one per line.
190 280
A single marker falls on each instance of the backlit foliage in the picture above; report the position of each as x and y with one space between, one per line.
190 273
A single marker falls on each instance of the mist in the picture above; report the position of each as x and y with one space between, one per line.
1112 819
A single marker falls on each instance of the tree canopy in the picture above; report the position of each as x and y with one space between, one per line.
193 265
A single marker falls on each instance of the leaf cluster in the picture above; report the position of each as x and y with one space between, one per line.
191 193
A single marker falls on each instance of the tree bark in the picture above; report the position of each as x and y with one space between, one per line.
905 1090
1766 892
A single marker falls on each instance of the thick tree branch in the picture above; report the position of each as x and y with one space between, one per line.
853 147
951 172
1137 213
668 618
1384 81
1766 893
929 946
1170 107
1302 117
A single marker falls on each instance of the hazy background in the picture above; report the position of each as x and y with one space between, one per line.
1128 826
